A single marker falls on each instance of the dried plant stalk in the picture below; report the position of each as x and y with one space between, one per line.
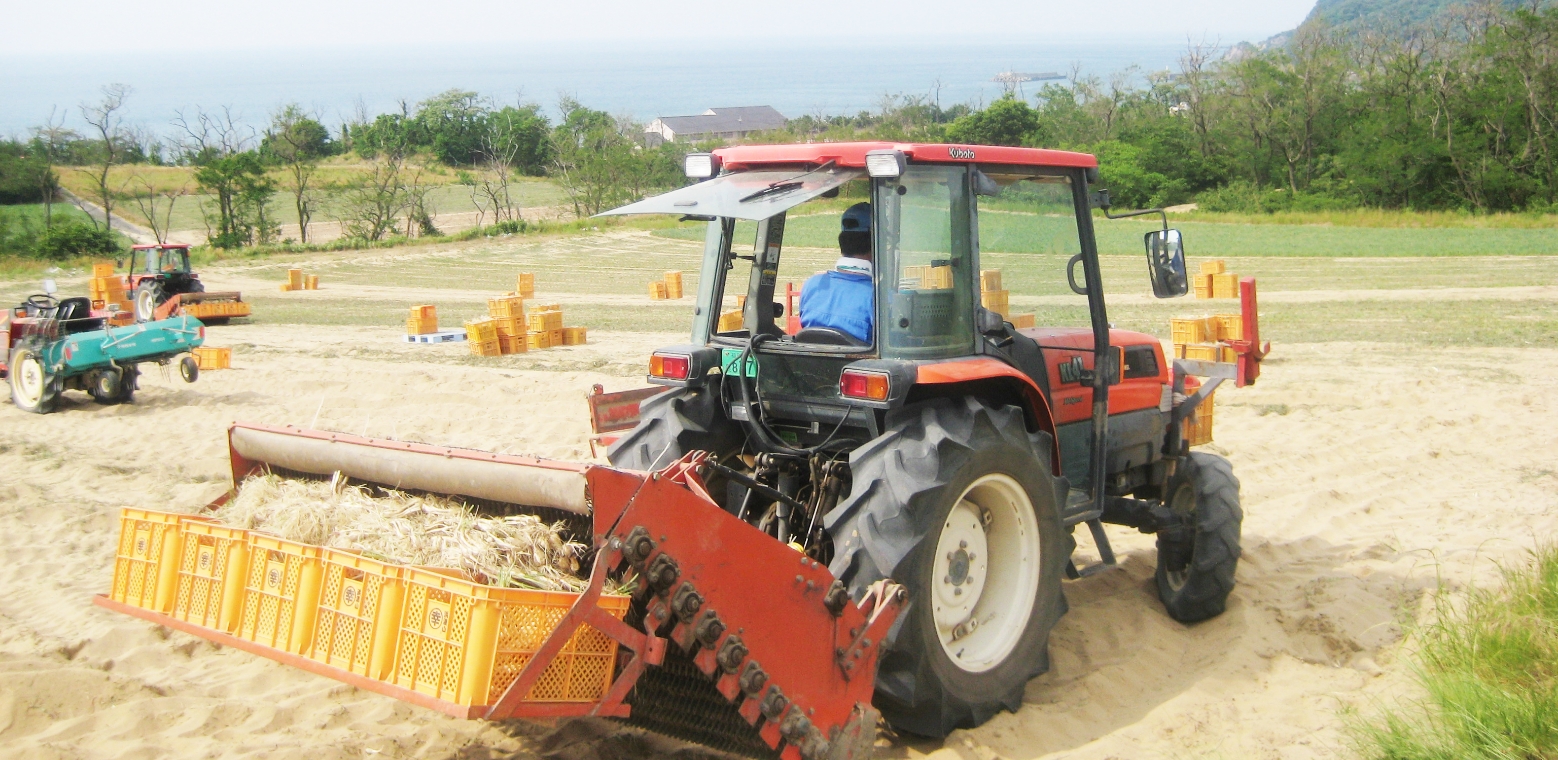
518 551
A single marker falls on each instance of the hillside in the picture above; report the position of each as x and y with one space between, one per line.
1358 15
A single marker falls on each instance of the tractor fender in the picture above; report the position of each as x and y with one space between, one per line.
992 380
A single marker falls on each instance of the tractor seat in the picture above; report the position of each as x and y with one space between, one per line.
75 314
827 336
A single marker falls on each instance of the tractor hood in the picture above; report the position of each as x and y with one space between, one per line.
754 195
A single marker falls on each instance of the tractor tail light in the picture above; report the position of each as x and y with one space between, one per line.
868 386
202 333
669 366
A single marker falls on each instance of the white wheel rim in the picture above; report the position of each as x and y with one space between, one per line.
29 380
145 305
986 573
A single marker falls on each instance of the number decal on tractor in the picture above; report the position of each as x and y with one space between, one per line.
1071 371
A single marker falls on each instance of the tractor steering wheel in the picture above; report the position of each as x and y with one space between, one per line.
37 303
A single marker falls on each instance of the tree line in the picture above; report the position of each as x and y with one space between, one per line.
240 173
1458 114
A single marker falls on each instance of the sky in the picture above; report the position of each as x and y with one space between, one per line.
170 27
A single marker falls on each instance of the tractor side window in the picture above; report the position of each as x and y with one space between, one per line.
925 253
1027 232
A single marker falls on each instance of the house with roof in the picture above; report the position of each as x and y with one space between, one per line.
713 124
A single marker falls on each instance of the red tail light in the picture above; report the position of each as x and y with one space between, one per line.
202 332
669 366
869 386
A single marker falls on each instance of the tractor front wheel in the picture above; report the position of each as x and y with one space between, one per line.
1196 563
148 296
956 501
33 388
104 386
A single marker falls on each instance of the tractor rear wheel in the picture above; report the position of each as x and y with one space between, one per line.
956 501
33 388
148 296
1196 566
676 422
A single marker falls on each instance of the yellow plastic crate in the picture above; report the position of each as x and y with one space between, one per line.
493 347
525 285
465 642
1197 428
213 357
509 327
213 566
573 336
481 330
1225 286
538 340
359 613
102 269
281 594
420 326
506 307
1190 331
146 562
658 291
1229 326
998 301
295 279
730 321
1213 266
1206 352
513 344
546 320
989 279
1022 321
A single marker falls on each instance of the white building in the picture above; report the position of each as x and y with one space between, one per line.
713 124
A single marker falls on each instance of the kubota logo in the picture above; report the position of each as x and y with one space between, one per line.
967 153
1071 371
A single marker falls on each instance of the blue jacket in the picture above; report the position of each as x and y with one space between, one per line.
844 302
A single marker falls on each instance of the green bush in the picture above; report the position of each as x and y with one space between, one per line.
74 239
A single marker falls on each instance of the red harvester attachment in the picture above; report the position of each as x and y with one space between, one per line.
732 638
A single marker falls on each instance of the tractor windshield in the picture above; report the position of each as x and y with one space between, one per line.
162 261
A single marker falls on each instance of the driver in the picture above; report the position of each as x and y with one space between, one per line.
842 298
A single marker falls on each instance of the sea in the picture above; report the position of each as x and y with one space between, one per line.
641 81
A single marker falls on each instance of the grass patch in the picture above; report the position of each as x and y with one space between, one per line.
1373 217
1489 672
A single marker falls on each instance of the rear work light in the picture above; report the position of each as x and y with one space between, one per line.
867 386
885 163
701 165
669 366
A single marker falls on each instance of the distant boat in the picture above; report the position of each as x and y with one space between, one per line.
1018 77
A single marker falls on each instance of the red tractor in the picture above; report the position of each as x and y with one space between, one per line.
826 529
949 452
162 284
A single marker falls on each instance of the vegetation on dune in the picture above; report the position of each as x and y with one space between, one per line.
1486 669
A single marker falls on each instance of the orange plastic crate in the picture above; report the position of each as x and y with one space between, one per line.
213 357
281 594
493 347
465 642
213 565
146 562
359 613
1197 428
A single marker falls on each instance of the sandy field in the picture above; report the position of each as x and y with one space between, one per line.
1371 474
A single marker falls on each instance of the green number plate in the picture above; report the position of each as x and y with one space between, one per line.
729 357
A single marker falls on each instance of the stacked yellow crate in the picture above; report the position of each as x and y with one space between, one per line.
997 299
1202 338
508 313
482 337
730 321
658 291
106 288
525 285
546 326
295 281
1213 280
673 286
423 320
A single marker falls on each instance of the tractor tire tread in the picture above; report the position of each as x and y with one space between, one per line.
1211 573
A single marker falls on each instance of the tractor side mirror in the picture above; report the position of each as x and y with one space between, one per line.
1166 263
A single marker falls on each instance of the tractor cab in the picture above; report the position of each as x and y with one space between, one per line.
158 273
158 260
779 214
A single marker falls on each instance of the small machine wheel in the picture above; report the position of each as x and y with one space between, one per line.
189 369
104 385
1196 565
33 388
129 382
956 501
148 296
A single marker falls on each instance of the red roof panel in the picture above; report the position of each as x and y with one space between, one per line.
854 154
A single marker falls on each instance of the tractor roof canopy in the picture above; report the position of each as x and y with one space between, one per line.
853 155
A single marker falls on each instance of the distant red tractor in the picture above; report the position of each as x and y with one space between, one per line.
162 284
